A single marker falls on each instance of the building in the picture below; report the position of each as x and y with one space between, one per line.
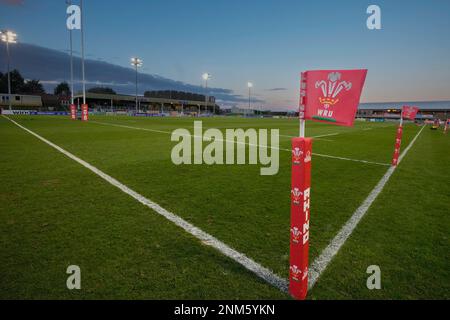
243 111
392 110
20 101
121 102
42 102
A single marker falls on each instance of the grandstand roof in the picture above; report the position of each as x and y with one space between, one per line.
123 97
423 105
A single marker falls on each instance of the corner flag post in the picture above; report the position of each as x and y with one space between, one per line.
301 111
300 204
330 96
398 141
410 113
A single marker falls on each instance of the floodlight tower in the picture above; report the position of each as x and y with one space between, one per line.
136 62
206 76
8 37
250 86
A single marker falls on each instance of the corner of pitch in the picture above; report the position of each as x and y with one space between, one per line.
239 146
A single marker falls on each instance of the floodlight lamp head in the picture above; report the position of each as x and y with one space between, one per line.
136 62
8 36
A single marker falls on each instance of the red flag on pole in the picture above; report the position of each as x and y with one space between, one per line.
409 112
333 95
329 96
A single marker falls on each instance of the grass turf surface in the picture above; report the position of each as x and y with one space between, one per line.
53 212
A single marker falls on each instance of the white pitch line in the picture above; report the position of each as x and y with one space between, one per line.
245 143
326 135
319 136
321 263
206 238
323 139
350 159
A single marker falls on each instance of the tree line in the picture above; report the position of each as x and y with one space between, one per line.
19 85
34 87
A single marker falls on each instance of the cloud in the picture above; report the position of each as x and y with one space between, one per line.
52 66
12 2
277 89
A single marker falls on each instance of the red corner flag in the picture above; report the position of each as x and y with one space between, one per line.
409 112
332 95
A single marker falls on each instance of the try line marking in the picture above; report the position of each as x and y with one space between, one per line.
245 143
204 237
321 263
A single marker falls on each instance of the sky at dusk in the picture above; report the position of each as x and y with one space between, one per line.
266 42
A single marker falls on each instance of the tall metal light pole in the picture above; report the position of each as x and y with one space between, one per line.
250 86
205 77
136 62
8 37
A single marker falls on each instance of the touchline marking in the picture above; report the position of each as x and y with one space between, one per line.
315 137
323 139
244 143
322 261
319 136
206 238
349 159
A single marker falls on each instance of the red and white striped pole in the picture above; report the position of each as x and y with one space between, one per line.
300 205
398 141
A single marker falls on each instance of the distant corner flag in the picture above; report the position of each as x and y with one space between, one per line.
408 113
330 96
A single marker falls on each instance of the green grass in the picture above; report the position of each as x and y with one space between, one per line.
405 233
53 212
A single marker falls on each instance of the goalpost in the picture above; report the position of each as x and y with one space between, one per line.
84 112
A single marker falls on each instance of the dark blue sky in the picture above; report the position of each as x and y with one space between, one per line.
266 42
